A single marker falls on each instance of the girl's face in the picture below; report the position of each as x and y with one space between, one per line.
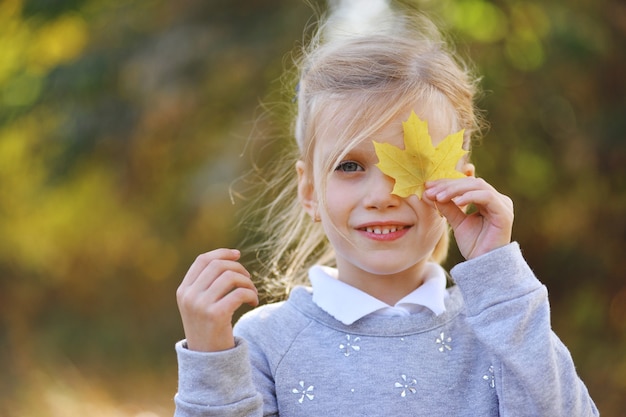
374 233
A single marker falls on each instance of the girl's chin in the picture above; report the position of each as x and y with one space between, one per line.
385 267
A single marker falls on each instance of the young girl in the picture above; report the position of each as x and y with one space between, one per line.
378 333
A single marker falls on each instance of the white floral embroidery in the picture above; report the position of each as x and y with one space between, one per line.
490 377
444 342
308 392
407 385
350 345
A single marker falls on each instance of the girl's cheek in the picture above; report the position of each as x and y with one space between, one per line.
424 205
434 214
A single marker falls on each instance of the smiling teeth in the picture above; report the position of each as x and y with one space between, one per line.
383 230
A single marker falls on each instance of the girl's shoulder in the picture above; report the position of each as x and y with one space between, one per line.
276 320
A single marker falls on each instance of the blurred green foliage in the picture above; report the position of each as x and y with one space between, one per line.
123 125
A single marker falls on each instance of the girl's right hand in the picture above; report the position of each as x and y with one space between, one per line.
215 286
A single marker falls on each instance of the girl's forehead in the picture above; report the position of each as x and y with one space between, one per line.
341 128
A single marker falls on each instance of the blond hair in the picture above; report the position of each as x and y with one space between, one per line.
380 72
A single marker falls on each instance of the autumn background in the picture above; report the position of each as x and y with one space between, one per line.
125 125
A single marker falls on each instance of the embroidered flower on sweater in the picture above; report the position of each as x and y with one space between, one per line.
407 385
490 377
350 345
444 342
304 392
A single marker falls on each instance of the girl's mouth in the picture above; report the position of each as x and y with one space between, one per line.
382 230
384 233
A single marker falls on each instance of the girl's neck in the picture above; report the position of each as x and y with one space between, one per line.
387 288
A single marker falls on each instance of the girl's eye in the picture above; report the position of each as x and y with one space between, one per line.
349 166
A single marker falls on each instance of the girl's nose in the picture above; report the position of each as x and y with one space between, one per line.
378 194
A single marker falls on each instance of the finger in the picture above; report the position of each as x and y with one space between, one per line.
489 203
216 269
447 189
238 297
471 191
226 283
218 304
193 285
205 259
453 213
227 274
208 304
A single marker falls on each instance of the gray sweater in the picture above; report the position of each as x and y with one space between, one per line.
492 353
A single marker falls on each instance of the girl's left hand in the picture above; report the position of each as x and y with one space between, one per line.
487 228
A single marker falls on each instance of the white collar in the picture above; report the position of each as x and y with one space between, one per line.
331 295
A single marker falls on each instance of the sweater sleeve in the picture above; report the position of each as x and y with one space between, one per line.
507 309
216 383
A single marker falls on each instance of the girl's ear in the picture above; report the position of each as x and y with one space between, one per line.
306 190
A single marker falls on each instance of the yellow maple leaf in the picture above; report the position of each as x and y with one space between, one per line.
419 161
